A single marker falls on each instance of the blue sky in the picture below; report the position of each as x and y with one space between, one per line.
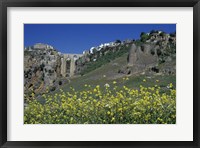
75 38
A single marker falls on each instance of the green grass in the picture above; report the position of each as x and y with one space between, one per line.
105 59
108 74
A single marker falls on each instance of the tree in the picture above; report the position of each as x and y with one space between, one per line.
117 41
162 34
152 31
144 37
94 51
142 33
173 34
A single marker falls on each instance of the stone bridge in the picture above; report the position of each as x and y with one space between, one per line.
68 64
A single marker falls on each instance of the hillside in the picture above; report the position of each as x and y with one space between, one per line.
121 82
152 57
109 73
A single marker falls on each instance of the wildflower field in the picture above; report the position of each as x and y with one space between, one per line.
108 104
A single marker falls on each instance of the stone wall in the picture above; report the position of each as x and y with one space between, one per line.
69 70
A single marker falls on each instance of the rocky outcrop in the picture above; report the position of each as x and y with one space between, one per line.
143 55
41 68
159 49
140 58
45 67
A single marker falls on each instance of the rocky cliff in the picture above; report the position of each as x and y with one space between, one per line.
41 68
45 69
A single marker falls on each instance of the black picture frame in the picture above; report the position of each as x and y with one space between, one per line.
4 4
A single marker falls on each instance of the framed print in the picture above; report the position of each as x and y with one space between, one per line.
99 74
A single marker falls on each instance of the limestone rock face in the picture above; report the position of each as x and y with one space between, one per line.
160 49
141 57
145 56
41 68
132 57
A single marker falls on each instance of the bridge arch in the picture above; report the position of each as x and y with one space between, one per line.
68 65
